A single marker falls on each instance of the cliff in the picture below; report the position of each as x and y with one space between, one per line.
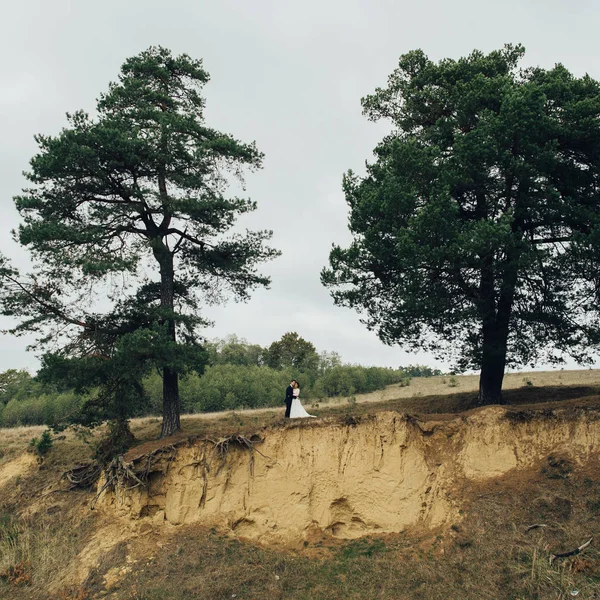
349 477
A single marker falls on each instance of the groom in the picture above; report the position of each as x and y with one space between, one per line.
289 396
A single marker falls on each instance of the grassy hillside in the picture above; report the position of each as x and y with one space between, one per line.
490 553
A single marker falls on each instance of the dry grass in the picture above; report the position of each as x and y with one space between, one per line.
443 385
14 440
423 395
43 544
489 555
42 529
433 395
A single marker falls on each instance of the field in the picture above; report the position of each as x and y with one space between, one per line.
489 554
437 395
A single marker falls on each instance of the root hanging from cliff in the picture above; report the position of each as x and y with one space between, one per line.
83 476
119 475
122 476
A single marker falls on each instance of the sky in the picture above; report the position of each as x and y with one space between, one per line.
287 74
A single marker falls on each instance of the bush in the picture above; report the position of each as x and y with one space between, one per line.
234 386
240 383
347 380
420 371
45 409
227 387
23 412
43 445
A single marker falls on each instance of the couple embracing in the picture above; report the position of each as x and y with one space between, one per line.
293 406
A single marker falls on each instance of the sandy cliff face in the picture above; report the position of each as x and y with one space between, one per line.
378 475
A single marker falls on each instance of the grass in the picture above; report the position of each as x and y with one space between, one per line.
424 395
38 547
42 529
434 406
487 555
490 555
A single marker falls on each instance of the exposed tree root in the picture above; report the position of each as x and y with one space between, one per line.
83 476
121 475
571 552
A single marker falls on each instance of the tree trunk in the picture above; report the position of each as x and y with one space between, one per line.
496 321
496 316
493 363
171 406
171 409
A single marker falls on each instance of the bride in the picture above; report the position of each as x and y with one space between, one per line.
297 411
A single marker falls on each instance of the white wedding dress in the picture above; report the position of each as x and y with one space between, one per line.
297 411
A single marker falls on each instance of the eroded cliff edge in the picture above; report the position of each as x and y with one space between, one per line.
349 477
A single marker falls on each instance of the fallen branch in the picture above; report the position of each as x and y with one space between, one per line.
536 526
572 552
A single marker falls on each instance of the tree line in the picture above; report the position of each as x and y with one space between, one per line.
238 375
476 229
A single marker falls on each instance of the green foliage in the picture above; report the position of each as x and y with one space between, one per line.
226 387
92 389
420 371
476 230
43 409
118 440
347 380
328 360
12 383
292 352
235 351
362 547
140 184
43 445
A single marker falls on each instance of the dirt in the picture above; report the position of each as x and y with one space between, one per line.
17 467
313 487
377 474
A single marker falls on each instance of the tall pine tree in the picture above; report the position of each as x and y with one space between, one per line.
476 229
139 192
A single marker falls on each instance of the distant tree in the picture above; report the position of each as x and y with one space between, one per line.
477 227
292 351
136 192
328 360
13 382
235 351
420 371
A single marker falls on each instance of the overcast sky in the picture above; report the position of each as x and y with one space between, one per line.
287 74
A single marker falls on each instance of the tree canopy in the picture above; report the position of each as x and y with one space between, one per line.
128 208
292 351
476 229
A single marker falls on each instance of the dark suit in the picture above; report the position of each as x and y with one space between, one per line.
289 396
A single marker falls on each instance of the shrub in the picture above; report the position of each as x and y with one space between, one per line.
223 386
347 380
227 387
44 409
43 445
420 371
